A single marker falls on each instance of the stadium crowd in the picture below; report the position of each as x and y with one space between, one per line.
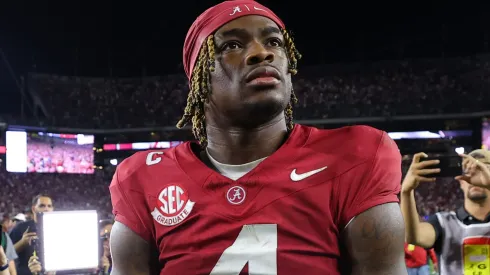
388 88
442 195
69 191
62 158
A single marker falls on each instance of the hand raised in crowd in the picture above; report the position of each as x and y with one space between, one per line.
476 172
34 265
419 172
27 237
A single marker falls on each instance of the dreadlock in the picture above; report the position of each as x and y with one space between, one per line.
201 87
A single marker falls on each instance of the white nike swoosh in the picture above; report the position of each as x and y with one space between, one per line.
298 177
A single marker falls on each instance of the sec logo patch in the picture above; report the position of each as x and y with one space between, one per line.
173 205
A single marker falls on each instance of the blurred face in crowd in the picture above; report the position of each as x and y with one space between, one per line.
15 222
7 224
243 45
44 204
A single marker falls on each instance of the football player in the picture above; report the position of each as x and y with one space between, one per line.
257 194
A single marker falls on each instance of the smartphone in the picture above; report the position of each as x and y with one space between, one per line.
451 166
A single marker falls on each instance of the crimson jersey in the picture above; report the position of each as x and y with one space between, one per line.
283 217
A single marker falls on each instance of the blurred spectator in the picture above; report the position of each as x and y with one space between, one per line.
105 228
35 267
8 247
18 218
4 262
105 235
7 223
417 259
24 233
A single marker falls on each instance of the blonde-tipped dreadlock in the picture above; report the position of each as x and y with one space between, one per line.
201 87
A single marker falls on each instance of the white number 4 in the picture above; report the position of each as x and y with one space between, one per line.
256 245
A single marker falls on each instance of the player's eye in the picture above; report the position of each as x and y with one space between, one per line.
275 42
232 45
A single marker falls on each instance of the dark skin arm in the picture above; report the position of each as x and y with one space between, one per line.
375 241
130 252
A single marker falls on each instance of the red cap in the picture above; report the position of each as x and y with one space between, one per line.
215 17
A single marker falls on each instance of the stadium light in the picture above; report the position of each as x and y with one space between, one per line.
459 150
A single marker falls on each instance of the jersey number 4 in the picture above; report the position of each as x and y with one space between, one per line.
256 245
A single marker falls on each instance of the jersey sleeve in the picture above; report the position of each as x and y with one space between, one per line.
129 203
375 181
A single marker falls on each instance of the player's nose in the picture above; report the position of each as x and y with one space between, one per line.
258 54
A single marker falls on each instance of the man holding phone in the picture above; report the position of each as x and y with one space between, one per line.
105 228
25 232
461 239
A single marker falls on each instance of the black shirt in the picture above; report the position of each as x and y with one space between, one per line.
26 253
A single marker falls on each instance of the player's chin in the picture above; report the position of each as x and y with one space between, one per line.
265 94
270 100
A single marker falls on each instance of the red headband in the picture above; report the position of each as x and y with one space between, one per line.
215 17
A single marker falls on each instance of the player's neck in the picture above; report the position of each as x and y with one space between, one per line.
238 146
479 210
